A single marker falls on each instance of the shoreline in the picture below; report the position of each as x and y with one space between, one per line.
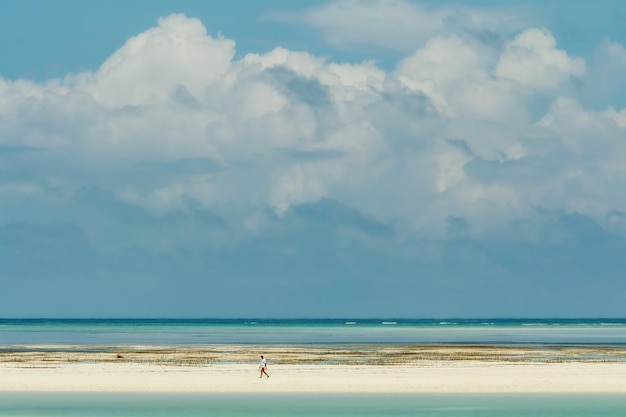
311 354
315 369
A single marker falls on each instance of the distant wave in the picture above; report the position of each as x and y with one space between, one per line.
351 322
390 322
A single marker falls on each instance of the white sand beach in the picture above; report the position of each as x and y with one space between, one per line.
428 370
458 377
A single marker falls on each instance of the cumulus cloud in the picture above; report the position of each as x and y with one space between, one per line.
450 133
179 168
178 52
533 60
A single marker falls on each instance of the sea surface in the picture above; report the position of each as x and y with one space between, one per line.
182 332
22 333
274 405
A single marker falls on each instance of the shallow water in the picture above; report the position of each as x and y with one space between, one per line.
245 331
275 405
297 331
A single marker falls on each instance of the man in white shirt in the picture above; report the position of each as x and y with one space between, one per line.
263 367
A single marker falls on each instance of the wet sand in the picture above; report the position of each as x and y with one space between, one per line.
329 368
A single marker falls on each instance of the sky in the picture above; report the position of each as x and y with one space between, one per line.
343 158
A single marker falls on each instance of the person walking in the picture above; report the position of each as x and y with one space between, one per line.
263 367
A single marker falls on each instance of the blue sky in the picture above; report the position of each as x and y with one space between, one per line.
347 158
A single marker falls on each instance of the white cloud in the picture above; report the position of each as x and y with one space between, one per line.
296 186
149 66
533 60
619 117
300 62
449 132
444 65
383 23
400 24
583 130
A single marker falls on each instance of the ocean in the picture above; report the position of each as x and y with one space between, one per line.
313 405
24 333
182 332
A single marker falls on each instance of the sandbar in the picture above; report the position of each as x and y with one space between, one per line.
315 369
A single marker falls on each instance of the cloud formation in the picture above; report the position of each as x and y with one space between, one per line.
402 25
286 128
173 144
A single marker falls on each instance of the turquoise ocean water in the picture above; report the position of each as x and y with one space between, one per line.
26 333
319 331
274 405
